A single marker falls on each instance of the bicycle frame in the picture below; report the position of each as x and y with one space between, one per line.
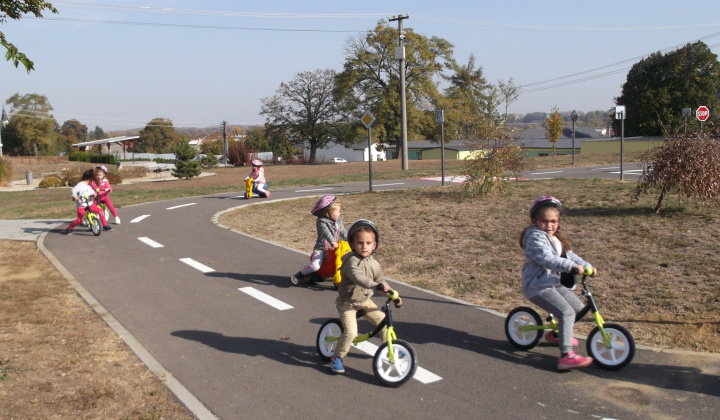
589 306
387 322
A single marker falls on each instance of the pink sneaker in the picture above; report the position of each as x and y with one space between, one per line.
550 337
573 361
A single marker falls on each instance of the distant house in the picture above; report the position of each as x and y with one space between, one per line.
430 149
535 142
357 153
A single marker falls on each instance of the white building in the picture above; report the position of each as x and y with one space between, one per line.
358 153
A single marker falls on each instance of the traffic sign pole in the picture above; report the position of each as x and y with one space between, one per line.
440 119
702 114
367 120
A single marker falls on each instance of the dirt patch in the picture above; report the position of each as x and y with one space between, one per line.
655 271
58 358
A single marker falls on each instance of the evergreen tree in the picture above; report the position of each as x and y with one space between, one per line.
185 166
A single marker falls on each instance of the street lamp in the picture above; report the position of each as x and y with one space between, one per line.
574 117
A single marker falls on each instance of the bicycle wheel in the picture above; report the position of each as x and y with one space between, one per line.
331 328
620 352
519 317
395 374
95 225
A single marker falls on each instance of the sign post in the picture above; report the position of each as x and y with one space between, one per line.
367 119
702 114
686 113
440 119
574 117
620 115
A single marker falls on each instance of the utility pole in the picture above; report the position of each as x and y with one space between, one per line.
400 56
225 148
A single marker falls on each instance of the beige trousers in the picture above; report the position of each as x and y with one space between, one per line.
348 317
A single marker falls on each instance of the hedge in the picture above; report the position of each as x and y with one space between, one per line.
91 157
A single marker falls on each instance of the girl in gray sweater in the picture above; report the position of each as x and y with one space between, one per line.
546 257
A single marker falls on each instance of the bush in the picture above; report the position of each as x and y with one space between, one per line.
5 171
92 158
73 180
71 173
688 166
208 161
114 177
51 181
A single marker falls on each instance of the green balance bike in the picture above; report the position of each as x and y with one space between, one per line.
610 345
395 361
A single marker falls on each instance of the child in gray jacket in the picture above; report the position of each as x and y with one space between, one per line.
546 257
330 230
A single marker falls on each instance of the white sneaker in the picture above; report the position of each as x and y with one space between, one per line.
117 220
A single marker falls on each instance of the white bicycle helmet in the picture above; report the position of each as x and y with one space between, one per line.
256 162
544 201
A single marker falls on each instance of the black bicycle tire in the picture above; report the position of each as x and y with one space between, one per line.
538 321
592 352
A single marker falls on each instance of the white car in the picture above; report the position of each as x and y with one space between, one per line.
338 160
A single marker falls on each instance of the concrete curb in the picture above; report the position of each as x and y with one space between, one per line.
187 399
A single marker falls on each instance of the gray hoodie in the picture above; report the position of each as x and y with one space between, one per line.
328 231
543 264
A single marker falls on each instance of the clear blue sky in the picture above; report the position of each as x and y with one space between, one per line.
120 63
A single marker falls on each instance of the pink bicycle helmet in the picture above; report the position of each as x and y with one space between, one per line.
322 204
544 201
256 162
104 169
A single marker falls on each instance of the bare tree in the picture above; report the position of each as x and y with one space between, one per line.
304 111
509 93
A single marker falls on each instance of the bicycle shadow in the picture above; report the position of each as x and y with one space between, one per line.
270 280
688 379
281 351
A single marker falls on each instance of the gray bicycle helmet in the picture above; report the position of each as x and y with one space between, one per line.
360 223
544 201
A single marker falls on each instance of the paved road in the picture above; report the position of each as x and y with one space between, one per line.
185 289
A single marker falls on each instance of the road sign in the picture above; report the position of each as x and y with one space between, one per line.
620 112
439 116
367 119
702 113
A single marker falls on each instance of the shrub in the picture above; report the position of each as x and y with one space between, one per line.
51 181
5 171
208 161
73 180
114 177
68 173
688 166
91 157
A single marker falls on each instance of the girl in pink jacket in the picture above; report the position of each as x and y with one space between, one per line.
103 188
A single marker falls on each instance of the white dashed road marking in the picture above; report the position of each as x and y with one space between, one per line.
316 189
387 185
196 265
150 242
421 374
139 218
265 298
181 205
543 173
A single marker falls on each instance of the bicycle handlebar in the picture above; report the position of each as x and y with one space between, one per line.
589 271
390 294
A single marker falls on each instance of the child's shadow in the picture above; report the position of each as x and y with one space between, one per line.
270 280
281 351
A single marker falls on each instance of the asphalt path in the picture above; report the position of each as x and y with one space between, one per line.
217 310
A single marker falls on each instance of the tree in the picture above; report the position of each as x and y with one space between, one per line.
97 134
554 127
659 86
158 136
509 93
304 110
212 146
14 9
75 131
31 128
185 166
688 166
370 81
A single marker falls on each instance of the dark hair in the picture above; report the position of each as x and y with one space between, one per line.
88 175
533 215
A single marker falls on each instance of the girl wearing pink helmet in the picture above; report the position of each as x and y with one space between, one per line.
103 188
330 230
258 176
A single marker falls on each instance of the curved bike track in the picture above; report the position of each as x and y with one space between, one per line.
196 325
